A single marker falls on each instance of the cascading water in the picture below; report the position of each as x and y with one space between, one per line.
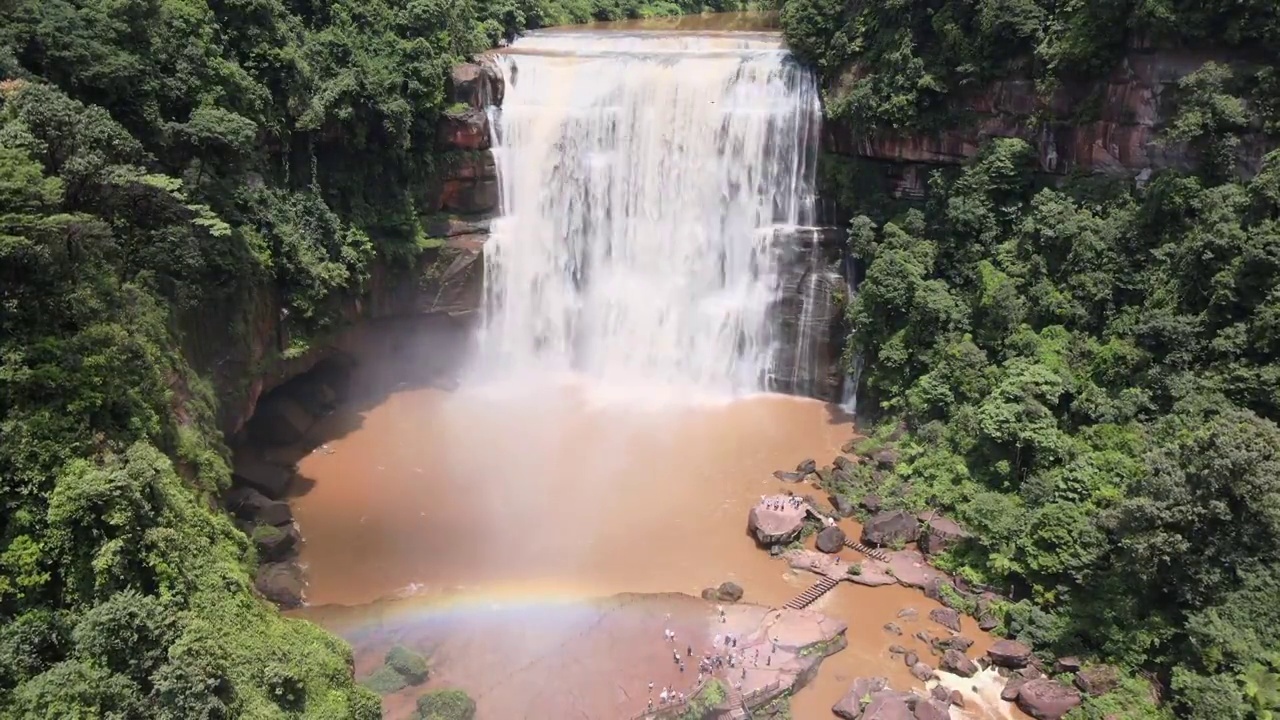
644 179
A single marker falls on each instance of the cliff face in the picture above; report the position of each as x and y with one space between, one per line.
1110 126
246 348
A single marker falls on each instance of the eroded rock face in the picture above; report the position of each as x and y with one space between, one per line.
1046 699
890 528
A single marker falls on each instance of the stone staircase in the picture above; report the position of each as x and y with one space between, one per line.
815 591
869 552
737 705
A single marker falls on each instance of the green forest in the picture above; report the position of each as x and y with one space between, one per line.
162 164
1089 369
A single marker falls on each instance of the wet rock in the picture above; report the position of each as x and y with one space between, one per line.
842 506
955 698
890 528
251 505
1097 679
988 623
267 478
831 539
954 661
922 672
871 503
776 551
931 710
709 594
886 458
892 629
1046 699
941 534
924 637
279 420
955 642
852 445
476 85
463 129
275 543
469 196
729 592
281 583
1009 653
939 693
1068 664
774 521
946 617
807 466
909 614
1011 688
897 650
850 706
910 659
790 477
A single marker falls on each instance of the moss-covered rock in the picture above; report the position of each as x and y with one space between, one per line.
446 705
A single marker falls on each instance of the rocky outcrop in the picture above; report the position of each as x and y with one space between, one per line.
1046 699
1009 654
809 314
850 706
477 85
776 520
252 506
1111 126
267 478
890 528
940 534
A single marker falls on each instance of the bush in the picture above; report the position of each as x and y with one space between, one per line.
409 664
385 681
446 705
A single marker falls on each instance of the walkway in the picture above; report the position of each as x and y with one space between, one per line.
815 591
869 552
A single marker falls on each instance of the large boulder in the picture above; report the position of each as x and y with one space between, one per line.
843 463
932 710
249 504
955 642
1068 664
890 528
281 583
267 478
871 503
1010 654
1046 699
807 466
946 617
1097 679
940 534
275 543
730 592
279 420
922 672
954 661
842 506
830 539
859 694
773 521
887 705
886 458
789 477
1011 689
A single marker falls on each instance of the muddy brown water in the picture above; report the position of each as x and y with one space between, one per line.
505 493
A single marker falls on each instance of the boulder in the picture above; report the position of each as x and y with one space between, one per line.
988 623
954 661
946 617
267 478
279 420
910 614
892 628
886 458
1010 691
807 466
887 705
955 642
940 534
842 506
730 592
852 445
773 527
709 594
1009 653
939 693
843 463
922 672
955 698
275 543
890 528
831 539
1027 673
897 650
1046 699
249 504
463 129
871 503
850 706
910 659
1097 679
1068 664
281 583
932 710
789 477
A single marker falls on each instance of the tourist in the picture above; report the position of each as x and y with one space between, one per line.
690 650
663 696
650 687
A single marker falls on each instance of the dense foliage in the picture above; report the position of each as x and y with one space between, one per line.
167 169
1090 374
898 63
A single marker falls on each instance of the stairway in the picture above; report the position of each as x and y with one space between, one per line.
737 707
869 552
815 591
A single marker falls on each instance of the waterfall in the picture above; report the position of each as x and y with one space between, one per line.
643 176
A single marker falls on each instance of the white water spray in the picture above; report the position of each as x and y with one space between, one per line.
640 176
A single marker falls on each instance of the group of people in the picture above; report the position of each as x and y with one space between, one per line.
779 504
722 657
